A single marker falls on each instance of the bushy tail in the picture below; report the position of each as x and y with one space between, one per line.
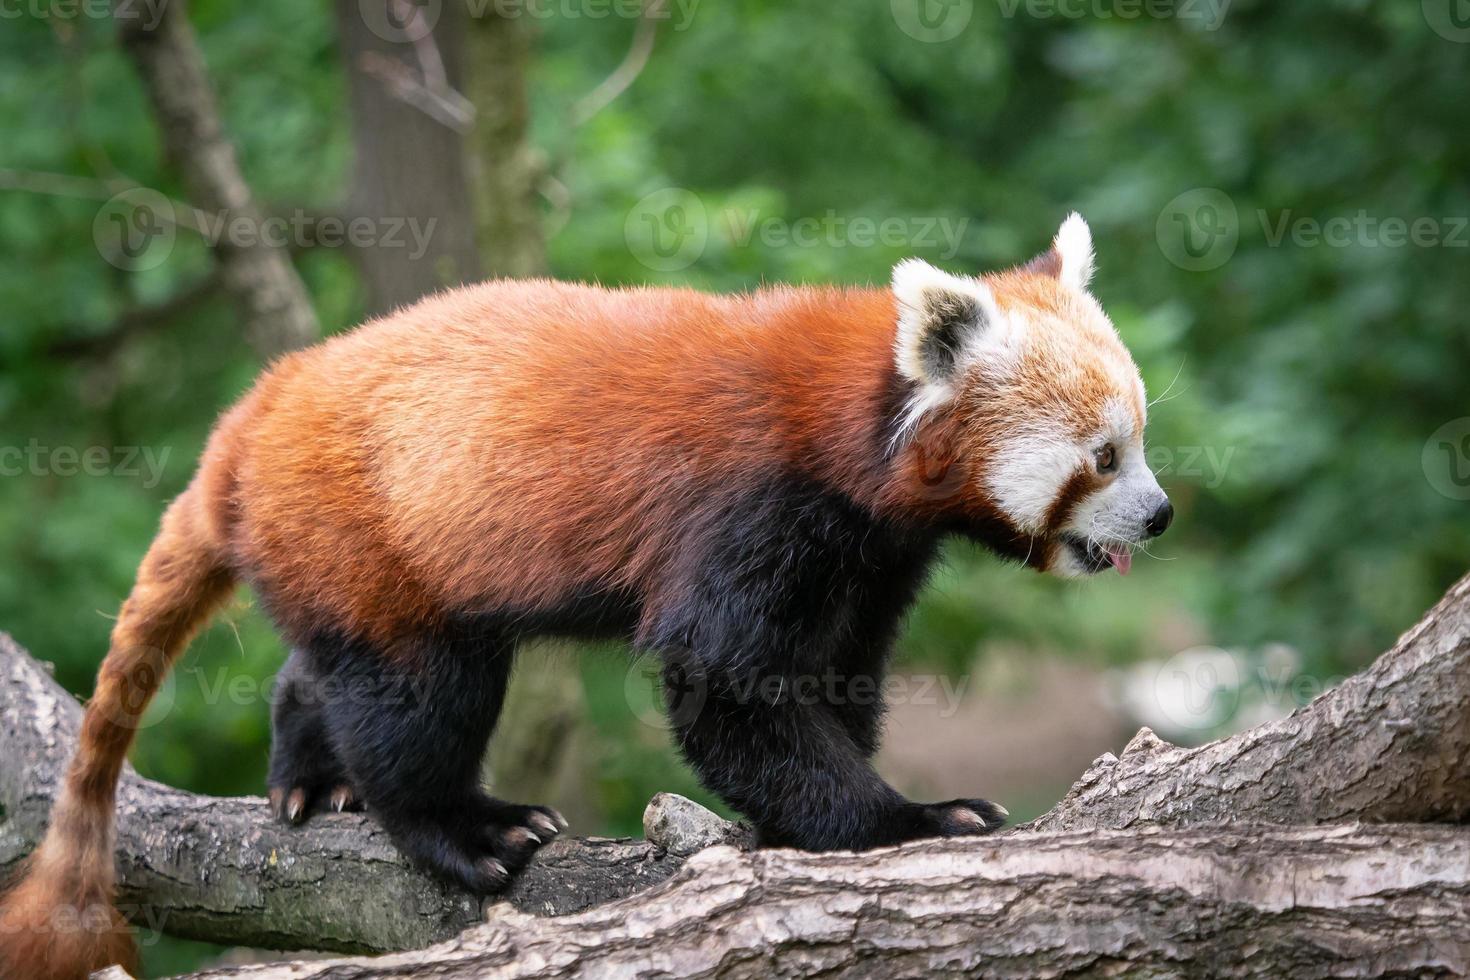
58 922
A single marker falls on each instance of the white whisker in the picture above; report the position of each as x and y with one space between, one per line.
1099 534
1165 395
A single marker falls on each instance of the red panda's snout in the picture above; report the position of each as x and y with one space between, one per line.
1126 510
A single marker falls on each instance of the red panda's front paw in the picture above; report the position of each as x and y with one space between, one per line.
963 818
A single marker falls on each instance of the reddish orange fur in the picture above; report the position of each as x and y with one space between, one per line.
1062 323
508 443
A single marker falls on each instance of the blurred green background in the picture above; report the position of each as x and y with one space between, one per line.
1278 194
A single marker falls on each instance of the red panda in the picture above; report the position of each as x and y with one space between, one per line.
751 487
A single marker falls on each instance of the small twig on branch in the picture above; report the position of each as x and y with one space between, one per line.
549 184
442 104
622 78
428 89
57 185
178 214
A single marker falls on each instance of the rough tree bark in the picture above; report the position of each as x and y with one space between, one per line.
277 310
1251 901
1160 862
1389 744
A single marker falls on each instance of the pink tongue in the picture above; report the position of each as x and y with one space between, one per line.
1122 560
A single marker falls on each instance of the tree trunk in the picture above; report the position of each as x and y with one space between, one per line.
468 182
259 275
506 167
408 159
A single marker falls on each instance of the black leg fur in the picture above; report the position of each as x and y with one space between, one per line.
775 636
412 739
796 772
305 774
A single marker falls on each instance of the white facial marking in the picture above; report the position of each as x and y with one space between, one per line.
1028 471
1117 424
1073 245
924 401
1063 564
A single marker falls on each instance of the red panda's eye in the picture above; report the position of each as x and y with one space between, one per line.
1107 459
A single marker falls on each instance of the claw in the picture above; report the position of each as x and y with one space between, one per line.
341 798
548 822
966 816
520 837
296 805
494 869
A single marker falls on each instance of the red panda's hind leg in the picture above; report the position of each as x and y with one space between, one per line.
411 728
306 774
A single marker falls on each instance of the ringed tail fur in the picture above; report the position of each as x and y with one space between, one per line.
58 921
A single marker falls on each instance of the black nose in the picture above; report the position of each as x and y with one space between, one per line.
1161 520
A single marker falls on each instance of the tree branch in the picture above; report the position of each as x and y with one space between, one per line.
1389 744
1245 901
278 313
645 33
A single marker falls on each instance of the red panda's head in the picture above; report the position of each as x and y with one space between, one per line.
1020 378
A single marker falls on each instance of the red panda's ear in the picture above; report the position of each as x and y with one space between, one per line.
1070 257
942 321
